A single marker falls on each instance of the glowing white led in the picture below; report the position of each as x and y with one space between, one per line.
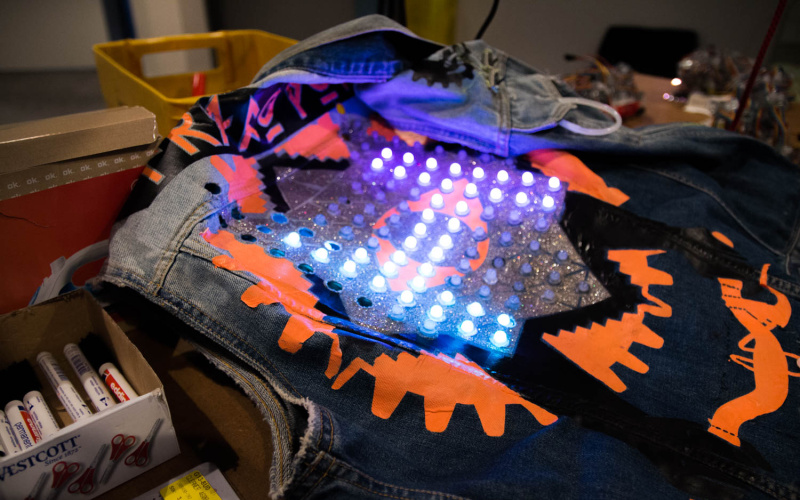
447 186
293 240
408 158
455 169
446 298
554 184
505 320
377 164
500 338
400 172
475 309
424 179
431 164
389 269
527 179
521 199
548 203
471 191
436 313
386 153
418 284
420 229
478 173
495 195
378 283
428 216
361 256
426 269
399 258
436 254
462 208
502 176
467 328
437 201
320 255
446 242
410 243
454 225
406 297
349 269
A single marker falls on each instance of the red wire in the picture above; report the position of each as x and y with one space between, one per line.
757 65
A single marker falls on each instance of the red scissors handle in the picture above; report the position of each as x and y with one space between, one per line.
139 457
62 471
120 444
84 484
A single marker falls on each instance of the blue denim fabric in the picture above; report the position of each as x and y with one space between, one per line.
635 427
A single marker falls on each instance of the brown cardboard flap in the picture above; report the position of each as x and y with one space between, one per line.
39 142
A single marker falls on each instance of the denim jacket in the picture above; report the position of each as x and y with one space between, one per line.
680 383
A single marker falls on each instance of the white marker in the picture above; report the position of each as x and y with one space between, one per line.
40 412
65 391
101 398
22 425
117 383
7 438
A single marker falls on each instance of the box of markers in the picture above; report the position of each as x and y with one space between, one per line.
82 411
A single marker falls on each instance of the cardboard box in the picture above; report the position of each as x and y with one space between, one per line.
34 472
63 182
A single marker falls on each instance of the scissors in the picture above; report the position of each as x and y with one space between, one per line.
85 483
140 457
62 471
119 445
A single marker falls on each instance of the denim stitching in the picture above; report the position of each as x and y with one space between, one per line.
324 474
415 490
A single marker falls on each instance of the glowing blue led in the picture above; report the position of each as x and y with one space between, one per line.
475 309
399 172
378 284
541 225
431 164
495 195
506 239
437 201
525 269
346 232
472 253
471 190
403 206
436 254
454 225
518 286
436 313
462 208
498 262
389 269
463 266
548 295
349 269
515 218
446 242
478 174
502 177
384 232
479 234
484 291
554 278
417 284
500 339
521 199
428 216
406 298
467 328
377 164
506 320
293 240
413 194
548 203
446 186
410 243
408 158
369 209
455 280
490 277
488 213
534 246
513 302
428 328
358 220
562 255
373 242
394 219
455 169
426 269
398 313
424 179
386 153
320 220
553 184
321 255
446 298
399 258
527 179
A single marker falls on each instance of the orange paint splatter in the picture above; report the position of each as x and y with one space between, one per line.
179 134
155 176
767 359
387 132
721 237
574 172
442 382
599 347
318 139
244 185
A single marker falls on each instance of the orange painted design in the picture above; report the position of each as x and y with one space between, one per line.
244 185
579 177
179 134
599 347
442 382
153 175
319 139
387 132
766 360
721 237
471 220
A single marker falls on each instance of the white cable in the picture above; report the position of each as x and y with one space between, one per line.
580 101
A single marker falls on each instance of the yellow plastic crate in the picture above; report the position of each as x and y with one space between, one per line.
238 57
